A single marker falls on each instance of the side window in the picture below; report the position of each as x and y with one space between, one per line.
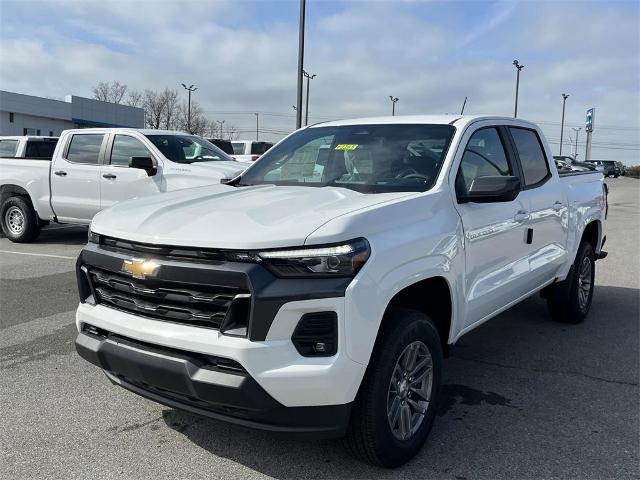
8 148
85 148
532 158
40 149
125 147
483 156
238 148
258 148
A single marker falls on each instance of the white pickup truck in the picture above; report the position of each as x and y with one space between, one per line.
319 291
92 169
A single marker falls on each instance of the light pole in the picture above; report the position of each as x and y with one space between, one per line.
564 101
518 68
220 123
190 89
300 64
306 112
577 130
393 104
257 114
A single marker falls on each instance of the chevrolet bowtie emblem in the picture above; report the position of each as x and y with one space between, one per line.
140 268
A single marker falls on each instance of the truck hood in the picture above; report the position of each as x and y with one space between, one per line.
216 169
221 216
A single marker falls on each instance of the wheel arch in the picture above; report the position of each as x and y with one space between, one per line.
592 233
416 296
12 190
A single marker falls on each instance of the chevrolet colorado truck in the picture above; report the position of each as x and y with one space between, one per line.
319 291
91 169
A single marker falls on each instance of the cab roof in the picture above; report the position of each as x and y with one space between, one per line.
455 120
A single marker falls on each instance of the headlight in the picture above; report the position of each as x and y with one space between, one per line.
343 260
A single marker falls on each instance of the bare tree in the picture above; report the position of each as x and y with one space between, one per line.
171 109
101 91
232 132
134 98
110 92
154 109
118 91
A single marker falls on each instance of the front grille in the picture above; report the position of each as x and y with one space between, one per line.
192 304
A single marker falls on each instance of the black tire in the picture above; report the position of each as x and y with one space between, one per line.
27 227
564 298
370 436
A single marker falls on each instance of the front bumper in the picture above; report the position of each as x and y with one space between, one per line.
203 384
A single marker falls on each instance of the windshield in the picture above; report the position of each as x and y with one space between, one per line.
188 149
366 158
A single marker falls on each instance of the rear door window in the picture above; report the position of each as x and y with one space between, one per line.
532 158
85 148
8 148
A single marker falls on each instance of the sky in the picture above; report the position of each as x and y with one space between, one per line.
242 56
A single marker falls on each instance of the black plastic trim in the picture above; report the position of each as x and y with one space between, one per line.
183 380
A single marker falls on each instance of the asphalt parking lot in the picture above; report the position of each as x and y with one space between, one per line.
524 398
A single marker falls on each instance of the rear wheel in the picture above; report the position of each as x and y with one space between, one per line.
19 221
396 404
569 301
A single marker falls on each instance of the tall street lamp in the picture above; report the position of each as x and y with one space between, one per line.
190 89
577 130
393 104
518 68
306 112
564 101
300 64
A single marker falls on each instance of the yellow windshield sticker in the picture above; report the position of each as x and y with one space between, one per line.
346 146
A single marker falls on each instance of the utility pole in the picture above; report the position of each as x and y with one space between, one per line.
518 68
564 101
190 89
257 114
463 105
393 104
300 64
575 154
308 77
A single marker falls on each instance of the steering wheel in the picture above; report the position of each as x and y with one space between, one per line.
421 176
407 171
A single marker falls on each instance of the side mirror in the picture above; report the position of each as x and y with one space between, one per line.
143 163
488 189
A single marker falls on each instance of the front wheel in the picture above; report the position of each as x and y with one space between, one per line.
19 220
397 401
569 301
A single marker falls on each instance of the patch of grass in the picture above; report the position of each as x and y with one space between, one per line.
633 171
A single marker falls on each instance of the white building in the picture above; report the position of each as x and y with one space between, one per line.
28 115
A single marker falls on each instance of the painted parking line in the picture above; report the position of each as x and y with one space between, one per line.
39 255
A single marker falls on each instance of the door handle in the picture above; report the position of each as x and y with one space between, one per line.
61 173
521 216
110 176
558 206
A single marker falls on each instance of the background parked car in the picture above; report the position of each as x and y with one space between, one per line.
249 150
575 164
